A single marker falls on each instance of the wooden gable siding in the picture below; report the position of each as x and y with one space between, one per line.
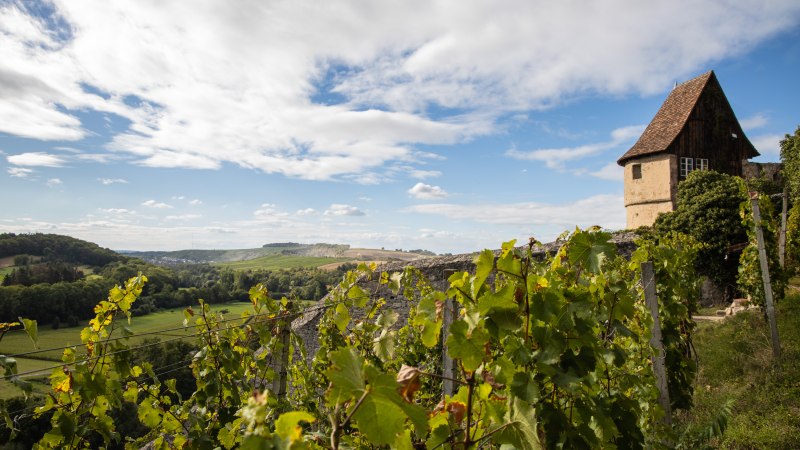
708 133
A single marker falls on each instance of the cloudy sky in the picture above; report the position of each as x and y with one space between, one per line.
444 125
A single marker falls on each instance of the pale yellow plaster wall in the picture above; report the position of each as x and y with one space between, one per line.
654 192
645 214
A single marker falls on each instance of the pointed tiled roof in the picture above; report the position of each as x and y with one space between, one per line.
670 119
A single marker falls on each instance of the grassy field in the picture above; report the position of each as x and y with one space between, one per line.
17 342
274 262
736 366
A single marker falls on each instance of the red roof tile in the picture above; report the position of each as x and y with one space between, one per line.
670 119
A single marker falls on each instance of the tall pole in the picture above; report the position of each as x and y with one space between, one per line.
449 315
782 237
282 366
659 358
762 257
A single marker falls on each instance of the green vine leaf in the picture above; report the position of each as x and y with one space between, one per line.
341 317
467 345
32 330
345 376
589 250
484 265
520 430
429 317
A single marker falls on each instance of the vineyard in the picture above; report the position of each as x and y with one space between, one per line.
536 352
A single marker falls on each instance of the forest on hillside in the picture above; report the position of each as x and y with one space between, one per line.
57 280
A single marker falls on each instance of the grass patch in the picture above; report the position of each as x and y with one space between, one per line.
8 390
18 342
709 311
273 262
736 364
5 271
39 380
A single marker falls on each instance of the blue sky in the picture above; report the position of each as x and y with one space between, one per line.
450 126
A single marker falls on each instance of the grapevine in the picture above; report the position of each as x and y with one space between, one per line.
549 352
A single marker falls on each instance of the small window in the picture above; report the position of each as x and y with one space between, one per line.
687 165
637 171
701 164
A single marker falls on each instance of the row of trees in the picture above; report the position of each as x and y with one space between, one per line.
45 272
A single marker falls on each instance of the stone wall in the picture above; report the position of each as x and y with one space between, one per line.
770 171
434 269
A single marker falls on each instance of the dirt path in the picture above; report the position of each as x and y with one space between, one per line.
709 318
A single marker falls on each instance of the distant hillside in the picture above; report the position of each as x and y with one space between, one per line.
56 247
271 252
210 256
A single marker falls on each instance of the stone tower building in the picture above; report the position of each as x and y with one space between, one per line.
695 129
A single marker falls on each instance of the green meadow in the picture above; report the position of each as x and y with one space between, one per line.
17 342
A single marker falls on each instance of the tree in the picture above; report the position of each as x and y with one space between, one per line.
708 210
790 156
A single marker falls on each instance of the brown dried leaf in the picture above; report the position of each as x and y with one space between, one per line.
457 409
408 378
439 309
488 377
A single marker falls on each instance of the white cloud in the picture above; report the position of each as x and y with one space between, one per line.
184 217
107 181
53 182
753 122
19 172
424 174
117 211
195 202
366 178
769 145
611 171
352 95
426 191
605 210
36 159
156 205
337 209
306 212
555 158
269 211
100 158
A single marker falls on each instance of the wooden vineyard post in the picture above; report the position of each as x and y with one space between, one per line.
782 237
762 258
659 358
282 363
448 365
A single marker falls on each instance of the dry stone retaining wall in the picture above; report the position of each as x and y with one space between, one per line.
434 270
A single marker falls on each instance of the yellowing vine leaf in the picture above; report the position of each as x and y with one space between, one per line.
288 425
